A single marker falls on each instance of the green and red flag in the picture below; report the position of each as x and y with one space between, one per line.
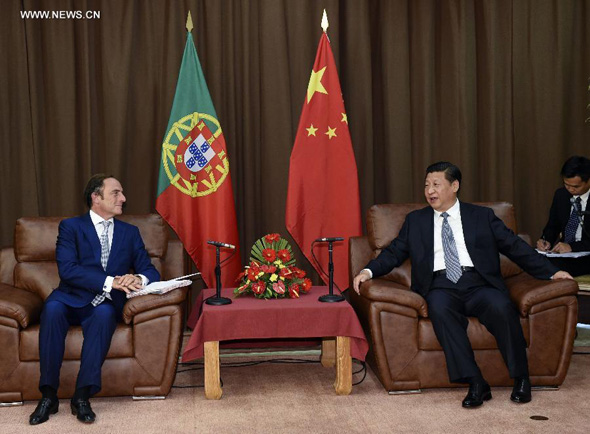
195 193
323 194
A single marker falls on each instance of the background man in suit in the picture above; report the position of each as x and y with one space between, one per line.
454 248
567 229
94 254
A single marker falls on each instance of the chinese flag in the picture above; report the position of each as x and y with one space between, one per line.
323 196
195 194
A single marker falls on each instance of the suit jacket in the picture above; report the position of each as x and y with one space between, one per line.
78 261
559 214
485 237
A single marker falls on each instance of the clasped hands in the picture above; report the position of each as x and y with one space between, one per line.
127 283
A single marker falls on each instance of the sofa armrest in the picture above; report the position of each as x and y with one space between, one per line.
20 305
144 303
526 291
390 292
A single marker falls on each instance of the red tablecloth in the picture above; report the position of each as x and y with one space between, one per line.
251 318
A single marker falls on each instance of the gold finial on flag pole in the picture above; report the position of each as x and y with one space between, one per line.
325 21
189 22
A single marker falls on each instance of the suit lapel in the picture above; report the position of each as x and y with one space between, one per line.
90 233
118 235
469 225
428 223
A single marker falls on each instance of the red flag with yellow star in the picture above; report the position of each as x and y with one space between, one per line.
323 195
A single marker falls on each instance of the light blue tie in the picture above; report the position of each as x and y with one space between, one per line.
452 263
105 249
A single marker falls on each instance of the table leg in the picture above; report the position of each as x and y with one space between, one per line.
328 357
343 383
212 383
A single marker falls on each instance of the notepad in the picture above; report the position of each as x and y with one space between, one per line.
164 286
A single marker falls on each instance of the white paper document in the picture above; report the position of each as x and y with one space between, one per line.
564 255
163 287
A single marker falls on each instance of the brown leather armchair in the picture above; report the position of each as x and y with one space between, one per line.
144 351
404 351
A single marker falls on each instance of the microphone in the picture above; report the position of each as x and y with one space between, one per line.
220 244
329 239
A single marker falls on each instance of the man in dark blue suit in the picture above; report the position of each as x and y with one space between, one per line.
454 248
94 254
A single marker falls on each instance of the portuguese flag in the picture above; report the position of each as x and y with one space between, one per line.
323 193
195 193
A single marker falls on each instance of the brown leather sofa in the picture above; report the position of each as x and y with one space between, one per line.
144 351
404 351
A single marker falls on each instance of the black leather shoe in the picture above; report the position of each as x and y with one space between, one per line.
45 407
478 393
521 392
82 410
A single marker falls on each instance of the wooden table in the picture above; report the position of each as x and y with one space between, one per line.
334 352
305 317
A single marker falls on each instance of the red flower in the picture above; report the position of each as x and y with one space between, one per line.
279 287
306 285
253 273
269 269
294 291
269 254
284 255
270 238
286 273
258 287
298 272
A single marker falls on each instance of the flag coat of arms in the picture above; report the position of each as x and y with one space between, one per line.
323 193
195 193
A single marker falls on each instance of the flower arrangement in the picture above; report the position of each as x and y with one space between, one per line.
272 271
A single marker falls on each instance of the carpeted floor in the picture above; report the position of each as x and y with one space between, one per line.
299 398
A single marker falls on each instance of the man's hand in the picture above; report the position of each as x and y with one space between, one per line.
360 278
561 248
127 283
562 275
543 245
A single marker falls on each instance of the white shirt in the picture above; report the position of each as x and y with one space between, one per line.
583 205
99 227
456 225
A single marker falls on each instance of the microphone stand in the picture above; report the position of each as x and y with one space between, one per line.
331 297
218 300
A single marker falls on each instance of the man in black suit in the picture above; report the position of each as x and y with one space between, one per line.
568 227
454 248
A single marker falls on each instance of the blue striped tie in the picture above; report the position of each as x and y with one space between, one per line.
452 263
574 221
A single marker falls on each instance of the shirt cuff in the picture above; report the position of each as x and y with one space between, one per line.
144 280
368 271
108 284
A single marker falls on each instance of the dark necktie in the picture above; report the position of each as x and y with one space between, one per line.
452 263
572 224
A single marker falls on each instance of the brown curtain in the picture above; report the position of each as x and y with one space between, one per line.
497 87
